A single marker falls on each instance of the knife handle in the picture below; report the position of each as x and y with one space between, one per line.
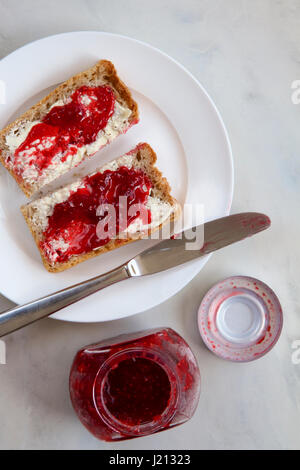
23 315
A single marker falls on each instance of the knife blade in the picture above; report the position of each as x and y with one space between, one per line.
215 235
165 255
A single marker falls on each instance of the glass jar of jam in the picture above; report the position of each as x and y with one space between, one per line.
134 385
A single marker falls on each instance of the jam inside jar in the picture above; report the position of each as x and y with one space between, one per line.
135 384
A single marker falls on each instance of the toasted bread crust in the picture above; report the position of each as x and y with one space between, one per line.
102 72
146 155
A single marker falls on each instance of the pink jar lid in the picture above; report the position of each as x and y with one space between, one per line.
240 319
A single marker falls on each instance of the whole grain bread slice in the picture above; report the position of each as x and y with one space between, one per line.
141 157
102 73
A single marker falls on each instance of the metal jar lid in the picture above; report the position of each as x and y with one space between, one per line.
240 319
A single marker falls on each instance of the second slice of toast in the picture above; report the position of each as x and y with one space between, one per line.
65 226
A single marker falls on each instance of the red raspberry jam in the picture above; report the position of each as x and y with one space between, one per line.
66 128
125 399
73 223
134 385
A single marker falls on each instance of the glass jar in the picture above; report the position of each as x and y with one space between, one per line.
135 384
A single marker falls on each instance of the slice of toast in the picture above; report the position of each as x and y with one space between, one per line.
29 175
163 207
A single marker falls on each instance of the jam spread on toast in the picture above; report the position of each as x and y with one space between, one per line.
113 199
65 128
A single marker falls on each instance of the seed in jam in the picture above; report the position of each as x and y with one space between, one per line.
66 128
137 391
72 227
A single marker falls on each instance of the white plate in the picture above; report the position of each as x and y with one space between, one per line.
178 119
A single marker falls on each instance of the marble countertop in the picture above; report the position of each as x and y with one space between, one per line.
246 54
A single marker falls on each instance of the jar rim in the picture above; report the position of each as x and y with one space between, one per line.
145 428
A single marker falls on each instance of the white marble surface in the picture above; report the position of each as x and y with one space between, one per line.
246 54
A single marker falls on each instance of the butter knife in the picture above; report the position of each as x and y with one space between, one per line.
164 255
